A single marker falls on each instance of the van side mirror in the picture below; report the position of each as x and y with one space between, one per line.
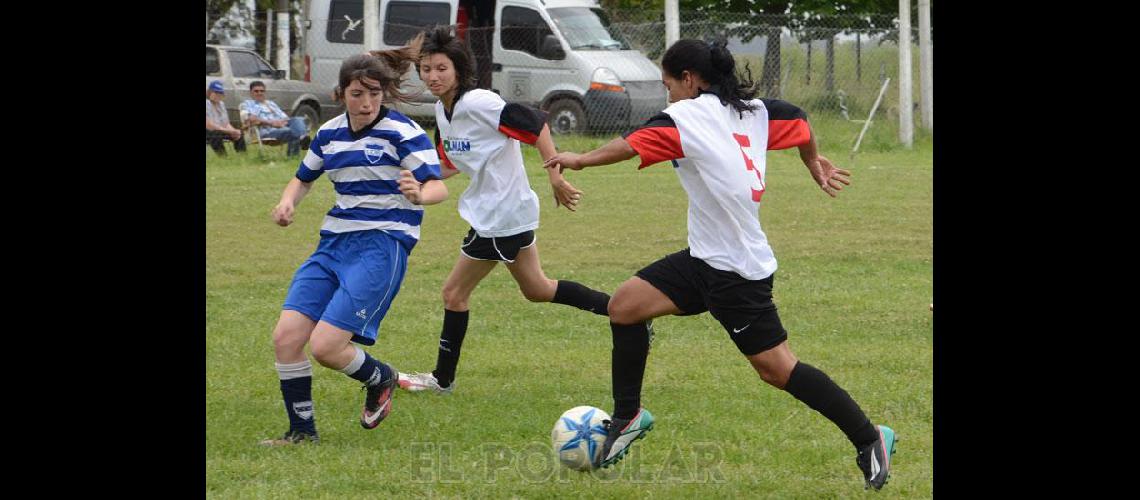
279 74
550 48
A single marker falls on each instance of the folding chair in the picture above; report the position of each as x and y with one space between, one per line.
253 134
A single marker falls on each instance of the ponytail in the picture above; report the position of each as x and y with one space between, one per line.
715 64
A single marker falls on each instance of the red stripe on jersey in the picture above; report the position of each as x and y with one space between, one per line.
784 134
443 156
656 144
521 135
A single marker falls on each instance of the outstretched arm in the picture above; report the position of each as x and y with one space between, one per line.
613 152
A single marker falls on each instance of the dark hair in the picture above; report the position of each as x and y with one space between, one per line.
714 63
256 83
384 66
441 40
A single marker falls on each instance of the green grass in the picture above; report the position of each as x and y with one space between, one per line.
855 279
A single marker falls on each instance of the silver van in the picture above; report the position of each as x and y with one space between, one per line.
560 56
237 67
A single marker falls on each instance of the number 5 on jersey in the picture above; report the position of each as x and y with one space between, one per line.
758 186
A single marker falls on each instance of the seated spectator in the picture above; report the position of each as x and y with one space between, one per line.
218 128
273 123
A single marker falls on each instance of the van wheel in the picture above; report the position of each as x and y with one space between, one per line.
566 116
310 115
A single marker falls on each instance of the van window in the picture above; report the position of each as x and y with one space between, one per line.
345 18
587 29
523 29
248 65
406 19
213 66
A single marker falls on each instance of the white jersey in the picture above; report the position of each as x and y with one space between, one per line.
721 161
481 139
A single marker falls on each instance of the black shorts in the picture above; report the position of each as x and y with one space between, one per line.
503 248
744 307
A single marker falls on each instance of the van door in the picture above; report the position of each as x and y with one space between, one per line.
529 58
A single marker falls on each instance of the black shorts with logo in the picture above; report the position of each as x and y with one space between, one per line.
503 248
744 307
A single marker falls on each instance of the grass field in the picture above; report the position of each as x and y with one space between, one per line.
855 280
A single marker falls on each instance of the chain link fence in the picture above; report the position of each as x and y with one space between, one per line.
598 71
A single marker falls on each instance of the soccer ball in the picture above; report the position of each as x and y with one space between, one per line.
578 436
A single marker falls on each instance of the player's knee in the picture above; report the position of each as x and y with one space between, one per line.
289 340
623 312
541 293
774 375
454 300
324 351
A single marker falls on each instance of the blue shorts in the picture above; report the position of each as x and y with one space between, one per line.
350 282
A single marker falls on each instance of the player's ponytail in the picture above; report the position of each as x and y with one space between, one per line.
715 64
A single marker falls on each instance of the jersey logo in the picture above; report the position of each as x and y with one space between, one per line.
456 146
373 152
758 186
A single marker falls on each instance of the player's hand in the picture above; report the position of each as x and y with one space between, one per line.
283 214
830 178
565 194
565 160
410 187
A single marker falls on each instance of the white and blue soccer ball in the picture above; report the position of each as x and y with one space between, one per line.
578 436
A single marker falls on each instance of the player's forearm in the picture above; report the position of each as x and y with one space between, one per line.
613 152
295 191
545 144
809 151
432 192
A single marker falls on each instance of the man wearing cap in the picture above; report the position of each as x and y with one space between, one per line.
218 128
273 123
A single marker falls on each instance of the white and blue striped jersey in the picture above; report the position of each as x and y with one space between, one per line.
365 170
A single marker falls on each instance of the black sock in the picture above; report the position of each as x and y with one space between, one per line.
585 298
631 348
819 392
450 343
370 371
297 392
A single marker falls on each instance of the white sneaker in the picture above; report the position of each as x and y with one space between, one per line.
416 382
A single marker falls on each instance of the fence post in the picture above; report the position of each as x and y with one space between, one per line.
371 25
858 57
268 34
926 66
283 37
906 98
672 23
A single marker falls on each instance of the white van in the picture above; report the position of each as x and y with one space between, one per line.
556 55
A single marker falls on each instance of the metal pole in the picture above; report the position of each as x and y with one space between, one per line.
672 23
906 97
926 66
283 37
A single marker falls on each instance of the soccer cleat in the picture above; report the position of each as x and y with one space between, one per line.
875 459
620 434
377 402
293 437
416 382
